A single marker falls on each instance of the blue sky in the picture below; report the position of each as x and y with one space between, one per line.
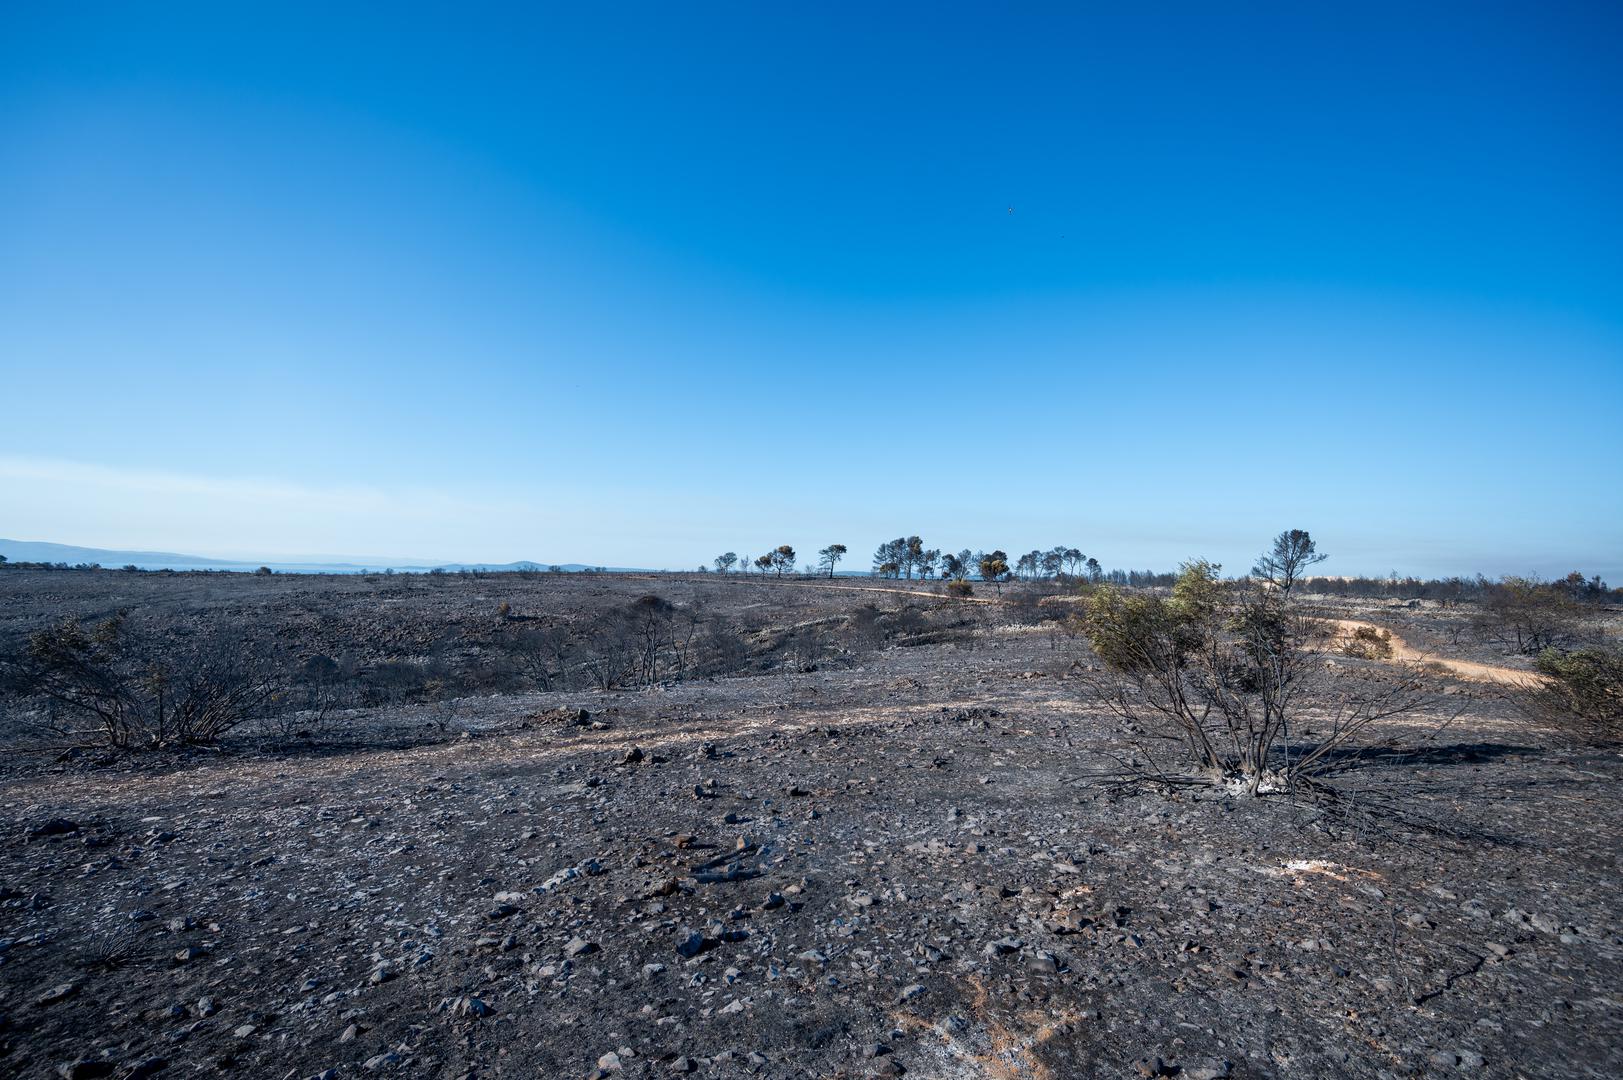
639 285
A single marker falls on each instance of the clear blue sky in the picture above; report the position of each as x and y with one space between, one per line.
636 285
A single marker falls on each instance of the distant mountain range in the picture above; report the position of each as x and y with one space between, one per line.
38 551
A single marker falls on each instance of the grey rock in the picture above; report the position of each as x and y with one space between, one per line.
53 827
59 992
470 1007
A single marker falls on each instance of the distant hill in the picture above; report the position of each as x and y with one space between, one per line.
40 551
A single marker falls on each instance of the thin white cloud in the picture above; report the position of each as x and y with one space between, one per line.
112 506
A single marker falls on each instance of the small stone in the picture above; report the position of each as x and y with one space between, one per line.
683 1064
910 992
381 1061
472 1007
1042 963
57 993
244 1030
875 1050
580 947
206 1006
691 944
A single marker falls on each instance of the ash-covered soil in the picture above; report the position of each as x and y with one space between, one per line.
889 865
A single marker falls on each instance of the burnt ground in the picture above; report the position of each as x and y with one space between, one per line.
887 865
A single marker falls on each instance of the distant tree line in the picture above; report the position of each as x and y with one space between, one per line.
1575 587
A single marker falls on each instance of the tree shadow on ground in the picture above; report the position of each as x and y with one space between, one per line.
1343 759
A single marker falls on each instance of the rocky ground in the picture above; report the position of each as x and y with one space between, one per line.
886 867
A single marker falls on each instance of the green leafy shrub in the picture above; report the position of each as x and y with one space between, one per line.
1584 691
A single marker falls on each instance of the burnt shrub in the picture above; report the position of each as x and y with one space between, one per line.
1223 671
1368 643
114 685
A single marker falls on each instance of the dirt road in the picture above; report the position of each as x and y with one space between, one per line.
1403 652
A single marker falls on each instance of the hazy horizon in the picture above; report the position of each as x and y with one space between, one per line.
638 288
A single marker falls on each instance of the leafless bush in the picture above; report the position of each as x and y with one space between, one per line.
863 629
806 646
396 682
1529 615
321 686
905 622
544 655
109 950
113 686
720 649
1025 607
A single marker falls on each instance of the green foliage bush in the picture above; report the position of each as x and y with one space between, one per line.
1585 690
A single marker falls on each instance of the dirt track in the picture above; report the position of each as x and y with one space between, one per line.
1403 652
